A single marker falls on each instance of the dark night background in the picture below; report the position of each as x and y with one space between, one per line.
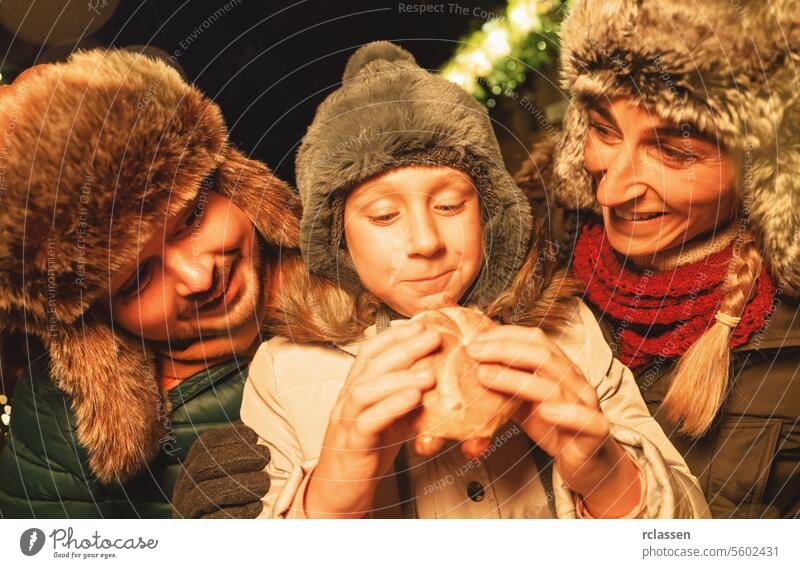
267 63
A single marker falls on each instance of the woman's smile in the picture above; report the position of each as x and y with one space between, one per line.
623 222
636 217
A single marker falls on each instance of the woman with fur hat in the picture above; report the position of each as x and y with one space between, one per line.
140 247
406 198
682 136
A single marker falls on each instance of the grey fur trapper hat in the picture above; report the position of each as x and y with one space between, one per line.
729 68
95 154
389 113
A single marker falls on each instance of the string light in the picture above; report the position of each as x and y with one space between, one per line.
5 416
481 61
497 42
496 50
524 19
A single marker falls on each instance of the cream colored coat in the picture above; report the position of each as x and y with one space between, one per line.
292 389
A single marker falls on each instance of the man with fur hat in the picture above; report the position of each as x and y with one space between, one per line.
142 249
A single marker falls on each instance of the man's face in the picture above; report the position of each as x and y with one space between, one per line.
196 292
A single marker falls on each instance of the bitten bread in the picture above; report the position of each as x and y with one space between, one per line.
459 407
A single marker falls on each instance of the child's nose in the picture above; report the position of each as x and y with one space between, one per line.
424 238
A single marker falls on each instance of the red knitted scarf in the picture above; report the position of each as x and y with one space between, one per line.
660 314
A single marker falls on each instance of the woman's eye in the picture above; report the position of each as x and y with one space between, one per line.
383 219
678 156
451 208
137 282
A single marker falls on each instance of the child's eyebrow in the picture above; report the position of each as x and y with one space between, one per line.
454 178
370 192
453 181
461 189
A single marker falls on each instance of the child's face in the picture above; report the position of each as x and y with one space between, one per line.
415 233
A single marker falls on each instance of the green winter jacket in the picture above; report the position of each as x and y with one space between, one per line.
44 470
748 464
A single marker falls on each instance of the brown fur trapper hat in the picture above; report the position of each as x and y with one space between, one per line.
389 113
94 154
730 68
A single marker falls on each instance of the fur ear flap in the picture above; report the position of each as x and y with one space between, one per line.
573 185
770 190
111 381
773 205
273 207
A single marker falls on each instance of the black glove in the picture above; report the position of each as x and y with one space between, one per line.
222 477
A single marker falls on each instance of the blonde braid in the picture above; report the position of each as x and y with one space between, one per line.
700 383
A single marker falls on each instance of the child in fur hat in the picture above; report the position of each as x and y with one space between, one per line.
141 248
683 137
405 198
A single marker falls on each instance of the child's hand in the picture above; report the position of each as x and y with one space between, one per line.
562 415
370 420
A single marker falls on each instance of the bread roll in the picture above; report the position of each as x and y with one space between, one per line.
458 407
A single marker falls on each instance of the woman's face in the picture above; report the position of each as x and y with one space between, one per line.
659 184
414 233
